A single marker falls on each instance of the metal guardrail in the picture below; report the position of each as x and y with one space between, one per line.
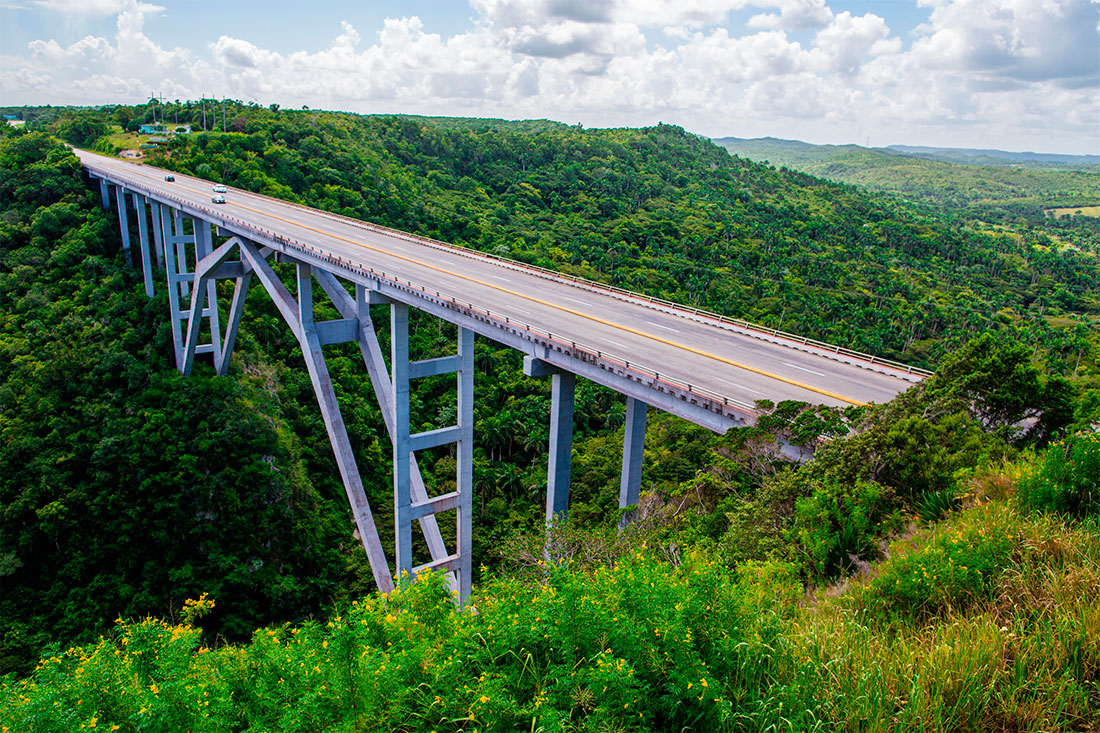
707 399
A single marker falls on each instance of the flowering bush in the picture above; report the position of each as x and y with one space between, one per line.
1066 479
953 570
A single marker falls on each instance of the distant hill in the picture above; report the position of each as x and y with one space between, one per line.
971 156
990 179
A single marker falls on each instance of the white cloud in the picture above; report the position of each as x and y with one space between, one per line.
1027 40
845 43
988 70
793 14
96 7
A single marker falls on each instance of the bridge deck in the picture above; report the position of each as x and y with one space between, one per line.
736 363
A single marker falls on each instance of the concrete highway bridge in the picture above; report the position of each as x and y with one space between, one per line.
703 367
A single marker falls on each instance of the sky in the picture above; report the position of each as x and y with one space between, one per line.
1007 74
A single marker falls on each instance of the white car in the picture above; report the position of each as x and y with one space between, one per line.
217 199
219 188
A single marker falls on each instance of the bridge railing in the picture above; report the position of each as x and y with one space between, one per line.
621 293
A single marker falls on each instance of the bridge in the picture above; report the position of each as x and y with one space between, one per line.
703 367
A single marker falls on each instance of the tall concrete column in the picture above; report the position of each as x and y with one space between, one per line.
123 222
562 392
402 497
174 283
105 193
160 236
143 242
179 245
633 453
464 479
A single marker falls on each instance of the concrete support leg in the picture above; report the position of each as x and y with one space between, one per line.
204 298
373 360
180 241
160 236
633 453
177 314
143 242
123 223
464 479
399 403
105 193
204 247
308 338
561 446
233 322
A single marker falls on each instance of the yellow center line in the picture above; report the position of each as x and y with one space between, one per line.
597 319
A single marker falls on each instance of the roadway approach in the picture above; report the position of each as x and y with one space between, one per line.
706 368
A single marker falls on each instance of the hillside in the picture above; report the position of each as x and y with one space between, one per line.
985 620
973 156
127 489
985 183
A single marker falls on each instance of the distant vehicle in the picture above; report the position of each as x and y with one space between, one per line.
219 188
169 177
217 199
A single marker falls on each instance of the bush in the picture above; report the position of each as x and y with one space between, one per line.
839 526
957 567
1067 478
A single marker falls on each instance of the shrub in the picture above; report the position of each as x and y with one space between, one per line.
1067 478
837 526
955 568
934 505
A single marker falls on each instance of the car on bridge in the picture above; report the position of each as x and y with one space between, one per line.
217 199
169 177
219 188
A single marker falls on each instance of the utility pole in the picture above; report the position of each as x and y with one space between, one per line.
223 114
204 112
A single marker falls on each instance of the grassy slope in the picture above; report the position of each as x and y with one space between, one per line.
643 645
930 181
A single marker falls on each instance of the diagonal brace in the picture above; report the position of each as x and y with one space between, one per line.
330 412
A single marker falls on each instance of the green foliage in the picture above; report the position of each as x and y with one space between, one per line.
956 569
984 184
935 504
637 646
124 486
641 644
993 379
836 526
1066 478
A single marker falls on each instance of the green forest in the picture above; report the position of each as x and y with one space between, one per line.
981 186
177 553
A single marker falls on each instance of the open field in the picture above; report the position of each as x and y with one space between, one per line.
1071 210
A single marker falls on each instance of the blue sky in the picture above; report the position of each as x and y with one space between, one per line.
1012 74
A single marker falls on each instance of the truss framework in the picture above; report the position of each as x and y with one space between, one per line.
184 246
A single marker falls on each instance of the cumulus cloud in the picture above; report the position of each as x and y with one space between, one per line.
1011 69
1026 40
793 15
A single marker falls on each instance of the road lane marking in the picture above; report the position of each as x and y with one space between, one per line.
596 319
667 328
739 386
811 371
